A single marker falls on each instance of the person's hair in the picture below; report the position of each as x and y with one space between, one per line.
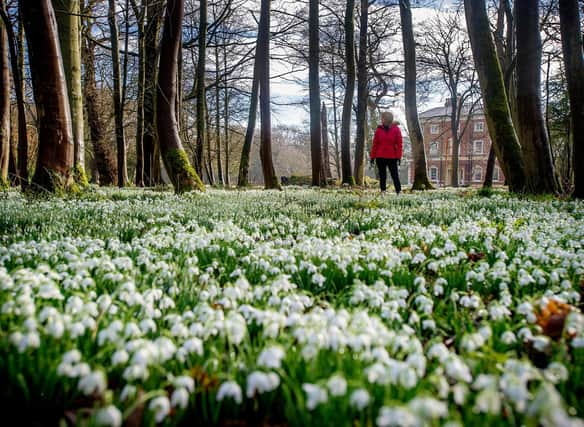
387 114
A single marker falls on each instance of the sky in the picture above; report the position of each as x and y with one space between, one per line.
284 91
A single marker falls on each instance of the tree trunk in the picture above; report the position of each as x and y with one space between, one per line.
421 181
314 92
220 180
454 123
226 117
117 96
335 120
243 177
349 92
325 143
140 18
4 107
362 95
105 161
154 10
55 149
18 72
67 13
535 146
495 100
200 89
574 63
271 181
490 168
183 176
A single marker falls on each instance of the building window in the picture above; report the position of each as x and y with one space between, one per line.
479 126
477 173
434 148
433 173
496 176
477 147
434 129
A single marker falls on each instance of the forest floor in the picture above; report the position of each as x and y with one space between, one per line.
300 307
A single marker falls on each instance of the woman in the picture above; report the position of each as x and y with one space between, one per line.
387 151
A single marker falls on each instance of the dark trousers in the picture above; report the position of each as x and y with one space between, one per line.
382 166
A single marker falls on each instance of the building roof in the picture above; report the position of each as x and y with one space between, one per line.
444 111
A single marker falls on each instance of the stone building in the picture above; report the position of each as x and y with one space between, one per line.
474 147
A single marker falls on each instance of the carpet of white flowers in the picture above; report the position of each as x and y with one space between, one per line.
299 308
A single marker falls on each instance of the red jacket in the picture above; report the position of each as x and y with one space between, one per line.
387 143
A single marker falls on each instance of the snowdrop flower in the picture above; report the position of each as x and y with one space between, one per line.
120 357
128 392
315 395
93 383
271 357
360 399
161 407
555 373
508 338
540 342
337 385
185 382
179 398
428 407
230 389
488 401
109 416
260 382
396 417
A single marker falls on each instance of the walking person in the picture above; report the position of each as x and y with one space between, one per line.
387 151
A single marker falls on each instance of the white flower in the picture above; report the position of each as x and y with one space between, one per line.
428 407
120 357
555 373
396 417
360 399
184 382
72 356
315 395
260 382
129 391
109 416
93 383
229 389
337 385
180 398
488 401
271 357
161 407
508 337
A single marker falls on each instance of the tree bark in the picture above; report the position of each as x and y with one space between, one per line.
55 149
200 90
4 107
349 92
17 65
183 176
495 100
314 92
226 117
105 161
362 95
243 177
140 25
535 146
218 116
421 181
325 143
117 96
67 13
271 181
572 48
154 10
